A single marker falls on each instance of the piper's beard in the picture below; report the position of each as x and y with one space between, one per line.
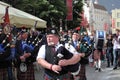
51 43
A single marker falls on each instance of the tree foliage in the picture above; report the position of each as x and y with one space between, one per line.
50 10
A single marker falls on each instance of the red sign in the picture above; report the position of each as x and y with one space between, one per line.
113 23
69 4
105 26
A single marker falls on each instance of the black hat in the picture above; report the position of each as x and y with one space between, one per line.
75 32
23 29
52 31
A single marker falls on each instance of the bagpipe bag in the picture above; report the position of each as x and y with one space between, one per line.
54 59
86 47
66 55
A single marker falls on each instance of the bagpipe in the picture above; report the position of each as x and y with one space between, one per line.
9 41
31 42
86 45
65 40
4 46
63 53
31 46
28 46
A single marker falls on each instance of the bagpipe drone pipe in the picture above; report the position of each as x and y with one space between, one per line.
86 46
32 46
63 53
8 34
29 48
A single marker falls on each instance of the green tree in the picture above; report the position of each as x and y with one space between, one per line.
77 9
50 10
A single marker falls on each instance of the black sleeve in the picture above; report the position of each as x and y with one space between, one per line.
6 53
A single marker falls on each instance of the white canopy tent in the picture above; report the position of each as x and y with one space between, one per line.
20 18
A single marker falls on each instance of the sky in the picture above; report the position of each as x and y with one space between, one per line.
110 4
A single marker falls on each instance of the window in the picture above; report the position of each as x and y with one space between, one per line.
118 15
118 24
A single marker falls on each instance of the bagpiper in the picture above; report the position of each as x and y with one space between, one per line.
24 57
4 54
56 59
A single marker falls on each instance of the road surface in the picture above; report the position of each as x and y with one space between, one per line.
105 74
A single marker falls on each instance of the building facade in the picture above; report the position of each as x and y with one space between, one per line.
99 18
115 20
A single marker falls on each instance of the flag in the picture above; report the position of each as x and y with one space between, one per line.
69 4
6 17
6 22
105 26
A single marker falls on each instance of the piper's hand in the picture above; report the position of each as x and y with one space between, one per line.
56 68
82 54
63 62
12 46
26 55
22 58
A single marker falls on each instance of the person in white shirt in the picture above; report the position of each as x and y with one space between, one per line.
47 57
117 52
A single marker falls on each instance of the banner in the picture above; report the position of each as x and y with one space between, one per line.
6 18
69 4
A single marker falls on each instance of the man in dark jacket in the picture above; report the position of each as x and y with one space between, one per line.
109 54
4 54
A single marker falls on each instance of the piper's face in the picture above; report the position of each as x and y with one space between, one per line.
52 39
75 36
24 36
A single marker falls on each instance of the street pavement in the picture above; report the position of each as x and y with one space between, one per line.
105 74
39 72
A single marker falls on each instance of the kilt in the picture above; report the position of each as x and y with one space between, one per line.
82 73
97 55
3 74
61 77
28 75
